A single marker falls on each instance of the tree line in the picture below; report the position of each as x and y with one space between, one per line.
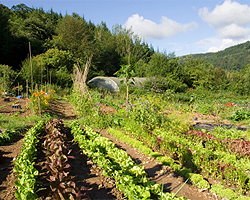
58 42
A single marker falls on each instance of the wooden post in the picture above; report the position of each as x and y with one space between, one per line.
41 77
26 95
49 80
27 89
47 75
39 105
18 89
31 69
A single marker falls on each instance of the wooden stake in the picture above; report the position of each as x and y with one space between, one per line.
31 68
41 77
49 80
27 89
39 106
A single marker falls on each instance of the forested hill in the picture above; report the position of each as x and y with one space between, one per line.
230 59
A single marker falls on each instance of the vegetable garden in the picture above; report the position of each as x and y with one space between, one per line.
68 141
214 164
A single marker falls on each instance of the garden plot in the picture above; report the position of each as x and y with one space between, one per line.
90 176
98 184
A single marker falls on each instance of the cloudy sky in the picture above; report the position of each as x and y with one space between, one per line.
180 26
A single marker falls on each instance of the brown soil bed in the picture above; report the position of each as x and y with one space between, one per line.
7 175
6 107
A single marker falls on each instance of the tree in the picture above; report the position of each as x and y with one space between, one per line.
73 35
54 64
6 77
127 72
106 60
5 35
162 64
124 43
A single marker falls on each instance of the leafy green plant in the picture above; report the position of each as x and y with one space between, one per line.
130 178
241 115
195 178
226 192
6 76
127 72
24 165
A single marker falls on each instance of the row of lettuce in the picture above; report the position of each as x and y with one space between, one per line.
196 179
62 185
220 159
115 163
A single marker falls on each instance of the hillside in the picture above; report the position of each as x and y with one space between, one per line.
231 59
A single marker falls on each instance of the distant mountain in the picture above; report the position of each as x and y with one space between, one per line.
230 59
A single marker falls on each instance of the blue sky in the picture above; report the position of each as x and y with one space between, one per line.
180 26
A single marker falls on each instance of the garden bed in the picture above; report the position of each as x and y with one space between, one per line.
89 175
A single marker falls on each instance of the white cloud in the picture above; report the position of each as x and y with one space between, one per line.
226 14
234 31
231 20
217 44
148 29
225 43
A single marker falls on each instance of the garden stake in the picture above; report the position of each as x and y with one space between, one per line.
180 188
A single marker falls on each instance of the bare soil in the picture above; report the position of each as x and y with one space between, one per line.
6 106
87 173
7 175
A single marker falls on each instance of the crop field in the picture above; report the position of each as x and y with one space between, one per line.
151 148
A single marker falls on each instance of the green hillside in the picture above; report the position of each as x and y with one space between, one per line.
230 59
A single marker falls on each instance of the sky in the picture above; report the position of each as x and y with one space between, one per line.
182 27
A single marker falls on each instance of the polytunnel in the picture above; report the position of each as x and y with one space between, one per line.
113 83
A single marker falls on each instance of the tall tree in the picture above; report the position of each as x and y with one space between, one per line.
106 60
73 35
5 35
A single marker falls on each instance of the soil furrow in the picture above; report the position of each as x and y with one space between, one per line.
7 175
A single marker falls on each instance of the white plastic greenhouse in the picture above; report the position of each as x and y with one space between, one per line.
112 83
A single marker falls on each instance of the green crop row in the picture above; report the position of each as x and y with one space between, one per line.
24 165
130 179
10 134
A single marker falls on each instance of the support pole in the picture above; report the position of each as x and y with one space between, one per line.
31 68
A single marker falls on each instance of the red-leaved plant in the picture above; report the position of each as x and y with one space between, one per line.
61 183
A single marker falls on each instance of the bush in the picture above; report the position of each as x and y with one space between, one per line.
160 84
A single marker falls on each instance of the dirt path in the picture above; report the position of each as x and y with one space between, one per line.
7 175
62 109
89 175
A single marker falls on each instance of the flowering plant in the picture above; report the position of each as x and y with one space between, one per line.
40 100
229 104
